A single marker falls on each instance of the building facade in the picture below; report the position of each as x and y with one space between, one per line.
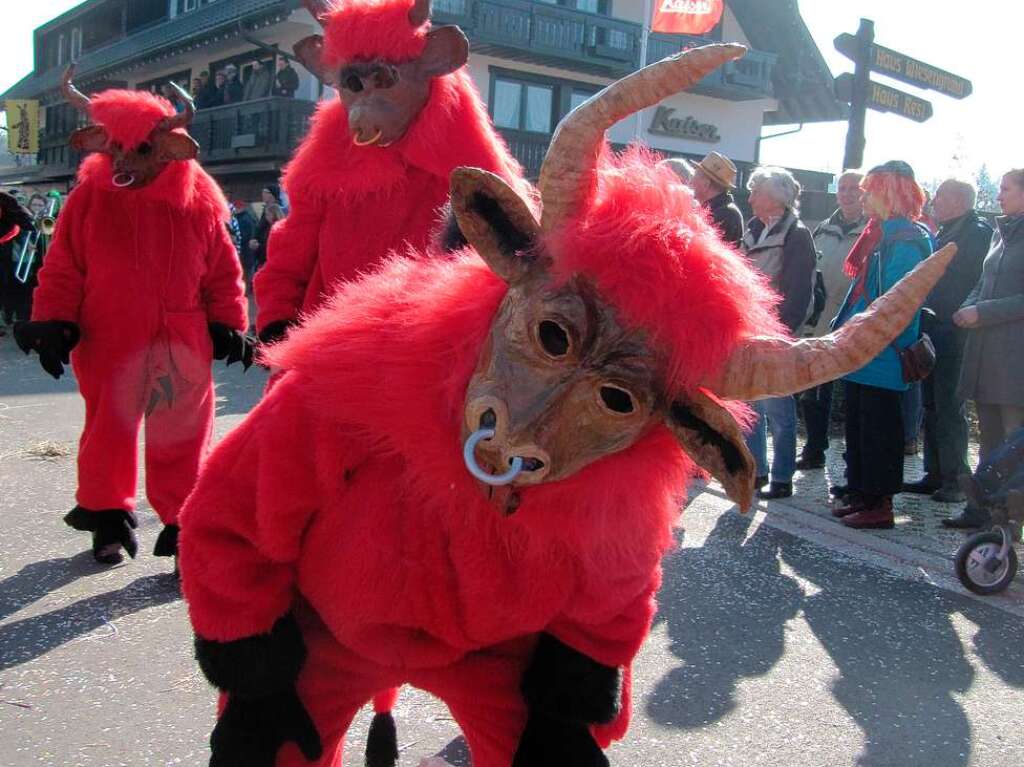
533 61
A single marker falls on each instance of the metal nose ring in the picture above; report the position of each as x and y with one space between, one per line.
469 456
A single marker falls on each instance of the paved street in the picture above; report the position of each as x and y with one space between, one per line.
783 639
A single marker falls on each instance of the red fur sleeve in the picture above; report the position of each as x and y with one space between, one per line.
62 278
242 527
291 258
611 639
222 288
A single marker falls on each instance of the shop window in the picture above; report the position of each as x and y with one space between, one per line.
522 105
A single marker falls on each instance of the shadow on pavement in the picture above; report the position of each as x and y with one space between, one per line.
725 606
37 579
30 638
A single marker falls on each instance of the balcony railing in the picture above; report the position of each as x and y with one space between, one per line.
748 78
263 128
545 33
528 148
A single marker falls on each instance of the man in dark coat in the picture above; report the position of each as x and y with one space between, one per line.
945 419
713 177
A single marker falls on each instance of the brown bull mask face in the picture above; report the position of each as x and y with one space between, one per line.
562 382
383 98
138 166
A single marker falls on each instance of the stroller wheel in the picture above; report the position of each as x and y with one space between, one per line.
978 565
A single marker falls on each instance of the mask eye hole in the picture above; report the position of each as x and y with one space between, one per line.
352 83
554 338
144 148
617 400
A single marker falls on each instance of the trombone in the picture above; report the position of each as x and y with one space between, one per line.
28 247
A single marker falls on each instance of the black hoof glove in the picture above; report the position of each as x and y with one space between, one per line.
548 742
274 332
232 345
167 542
251 731
53 340
111 530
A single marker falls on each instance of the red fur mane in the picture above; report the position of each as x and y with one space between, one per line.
128 116
657 259
369 29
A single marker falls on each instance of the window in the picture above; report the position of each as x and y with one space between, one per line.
578 96
141 13
521 105
76 43
61 58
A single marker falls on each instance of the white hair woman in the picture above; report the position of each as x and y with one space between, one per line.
780 246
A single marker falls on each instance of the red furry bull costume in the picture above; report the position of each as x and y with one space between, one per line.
353 535
351 203
143 275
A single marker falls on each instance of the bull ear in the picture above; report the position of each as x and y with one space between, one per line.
310 51
712 438
171 145
446 50
92 138
496 222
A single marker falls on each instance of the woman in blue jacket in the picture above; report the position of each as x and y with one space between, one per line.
891 245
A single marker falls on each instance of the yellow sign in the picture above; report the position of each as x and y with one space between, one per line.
22 126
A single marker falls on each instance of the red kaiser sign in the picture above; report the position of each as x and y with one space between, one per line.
686 17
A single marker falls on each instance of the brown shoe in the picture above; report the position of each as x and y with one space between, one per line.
877 516
854 505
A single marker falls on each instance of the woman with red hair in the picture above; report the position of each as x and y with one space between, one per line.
891 245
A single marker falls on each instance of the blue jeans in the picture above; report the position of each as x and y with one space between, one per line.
777 415
910 407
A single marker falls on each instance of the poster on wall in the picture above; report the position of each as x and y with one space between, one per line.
686 17
22 126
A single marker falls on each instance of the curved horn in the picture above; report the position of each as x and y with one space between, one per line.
419 14
318 8
567 173
74 97
776 367
181 119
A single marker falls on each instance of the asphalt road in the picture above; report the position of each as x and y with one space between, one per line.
771 648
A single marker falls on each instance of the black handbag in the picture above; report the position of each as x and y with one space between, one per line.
917 360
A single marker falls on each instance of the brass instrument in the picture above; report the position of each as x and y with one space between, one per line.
27 249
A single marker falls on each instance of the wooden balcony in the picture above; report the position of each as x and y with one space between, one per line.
748 78
543 33
261 129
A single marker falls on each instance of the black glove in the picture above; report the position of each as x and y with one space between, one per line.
13 213
232 345
565 693
53 340
111 529
549 742
275 331
264 711
251 731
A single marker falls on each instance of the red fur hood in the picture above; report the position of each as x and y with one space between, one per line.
182 184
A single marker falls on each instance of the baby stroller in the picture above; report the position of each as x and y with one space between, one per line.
986 563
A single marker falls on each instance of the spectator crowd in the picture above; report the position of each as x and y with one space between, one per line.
883 226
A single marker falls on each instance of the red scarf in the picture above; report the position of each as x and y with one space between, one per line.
856 264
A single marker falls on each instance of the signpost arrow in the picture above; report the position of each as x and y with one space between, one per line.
882 98
901 67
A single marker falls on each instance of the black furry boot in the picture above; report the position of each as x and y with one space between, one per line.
111 530
382 742
167 542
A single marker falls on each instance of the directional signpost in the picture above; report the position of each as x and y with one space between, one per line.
863 94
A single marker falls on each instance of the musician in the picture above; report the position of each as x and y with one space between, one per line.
15 223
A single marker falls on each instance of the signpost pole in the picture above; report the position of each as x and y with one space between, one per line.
855 140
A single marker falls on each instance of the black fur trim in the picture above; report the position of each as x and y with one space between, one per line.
255 666
166 542
511 239
564 684
90 521
382 742
275 331
686 418
451 237
548 742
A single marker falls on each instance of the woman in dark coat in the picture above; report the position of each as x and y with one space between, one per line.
273 211
993 314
